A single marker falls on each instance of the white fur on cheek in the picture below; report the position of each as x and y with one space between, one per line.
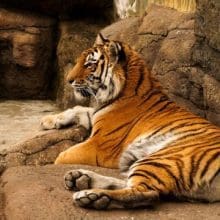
79 97
110 93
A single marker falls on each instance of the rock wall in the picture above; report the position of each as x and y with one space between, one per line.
39 39
26 42
206 55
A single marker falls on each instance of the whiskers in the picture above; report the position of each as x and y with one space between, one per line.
85 90
92 93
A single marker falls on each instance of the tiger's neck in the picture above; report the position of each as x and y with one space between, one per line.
139 81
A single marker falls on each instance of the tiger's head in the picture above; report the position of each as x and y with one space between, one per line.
99 71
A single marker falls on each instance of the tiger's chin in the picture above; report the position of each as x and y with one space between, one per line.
81 98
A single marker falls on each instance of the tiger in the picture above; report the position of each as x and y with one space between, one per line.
162 149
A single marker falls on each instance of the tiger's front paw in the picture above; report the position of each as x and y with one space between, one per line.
49 122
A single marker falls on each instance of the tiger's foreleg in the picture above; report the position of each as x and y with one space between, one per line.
82 153
78 115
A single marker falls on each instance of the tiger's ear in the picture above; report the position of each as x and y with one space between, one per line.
116 52
100 40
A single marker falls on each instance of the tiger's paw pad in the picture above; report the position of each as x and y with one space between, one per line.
91 199
76 180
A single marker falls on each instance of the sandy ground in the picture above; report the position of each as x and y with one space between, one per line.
19 120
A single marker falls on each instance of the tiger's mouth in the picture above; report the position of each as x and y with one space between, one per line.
85 90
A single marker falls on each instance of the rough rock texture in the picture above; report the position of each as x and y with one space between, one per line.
38 193
26 41
206 54
186 66
41 149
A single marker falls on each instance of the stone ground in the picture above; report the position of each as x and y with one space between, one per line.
19 120
37 192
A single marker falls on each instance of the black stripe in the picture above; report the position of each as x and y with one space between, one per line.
147 186
106 72
97 161
112 87
156 164
215 174
165 106
184 137
140 80
96 132
192 130
192 171
118 128
153 187
102 119
169 124
90 124
208 139
102 69
168 151
137 174
209 162
166 168
180 167
156 103
162 166
112 84
149 95
105 142
133 123
154 176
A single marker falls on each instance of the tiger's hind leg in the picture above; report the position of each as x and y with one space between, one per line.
84 179
102 192
119 198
